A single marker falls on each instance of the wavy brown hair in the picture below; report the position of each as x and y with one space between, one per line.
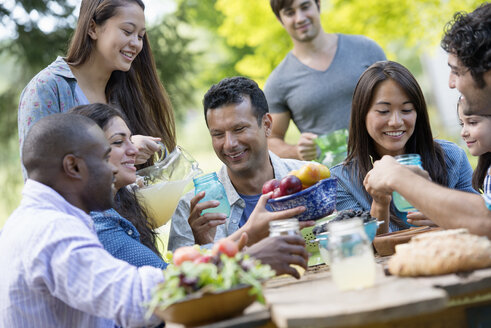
138 92
468 36
361 147
126 201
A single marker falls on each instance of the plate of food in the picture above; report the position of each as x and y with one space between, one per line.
203 286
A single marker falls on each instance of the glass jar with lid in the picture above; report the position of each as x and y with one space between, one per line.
351 257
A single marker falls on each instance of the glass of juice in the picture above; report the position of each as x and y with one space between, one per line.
351 257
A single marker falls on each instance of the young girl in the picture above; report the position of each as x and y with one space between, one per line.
475 133
389 117
109 61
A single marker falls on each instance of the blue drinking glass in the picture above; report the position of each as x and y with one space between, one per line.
214 190
400 202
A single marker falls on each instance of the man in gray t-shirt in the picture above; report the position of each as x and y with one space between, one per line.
314 83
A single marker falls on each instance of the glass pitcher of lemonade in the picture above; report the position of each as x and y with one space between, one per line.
160 186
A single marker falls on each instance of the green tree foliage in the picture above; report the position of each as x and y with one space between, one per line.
217 58
397 25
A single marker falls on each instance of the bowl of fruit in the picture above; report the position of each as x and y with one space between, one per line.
310 186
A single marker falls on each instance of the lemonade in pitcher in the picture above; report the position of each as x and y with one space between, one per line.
161 199
160 186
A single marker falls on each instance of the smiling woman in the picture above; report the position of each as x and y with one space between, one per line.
389 117
109 61
126 230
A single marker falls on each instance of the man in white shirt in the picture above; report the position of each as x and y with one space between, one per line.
55 272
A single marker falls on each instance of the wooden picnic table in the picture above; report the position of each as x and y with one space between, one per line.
454 300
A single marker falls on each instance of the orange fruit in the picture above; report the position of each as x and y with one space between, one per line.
294 172
309 174
324 171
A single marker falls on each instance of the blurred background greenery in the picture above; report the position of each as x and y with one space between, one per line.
198 43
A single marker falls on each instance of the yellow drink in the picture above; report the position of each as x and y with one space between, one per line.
354 272
161 199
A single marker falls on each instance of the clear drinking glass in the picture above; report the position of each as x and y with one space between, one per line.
214 190
351 257
284 227
332 147
289 227
400 202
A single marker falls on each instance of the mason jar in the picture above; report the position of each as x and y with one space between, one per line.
284 227
400 202
351 257
214 190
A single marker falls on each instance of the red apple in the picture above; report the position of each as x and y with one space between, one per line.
290 185
270 185
277 193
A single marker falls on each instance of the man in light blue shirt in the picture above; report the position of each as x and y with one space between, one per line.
236 113
55 272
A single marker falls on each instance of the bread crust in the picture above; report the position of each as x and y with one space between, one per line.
441 252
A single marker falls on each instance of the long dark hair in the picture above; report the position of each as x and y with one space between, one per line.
126 202
138 92
361 147
479 174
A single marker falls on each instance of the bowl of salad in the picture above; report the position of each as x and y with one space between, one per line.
203 286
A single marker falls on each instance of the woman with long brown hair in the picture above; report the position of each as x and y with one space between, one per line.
126 230
109 61
389 117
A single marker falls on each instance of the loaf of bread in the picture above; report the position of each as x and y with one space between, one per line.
441 252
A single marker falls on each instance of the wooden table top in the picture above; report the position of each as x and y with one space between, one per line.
315 301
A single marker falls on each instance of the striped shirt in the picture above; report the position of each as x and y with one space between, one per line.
55 273
487 189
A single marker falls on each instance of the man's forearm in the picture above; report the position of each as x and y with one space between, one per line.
282 149
447 207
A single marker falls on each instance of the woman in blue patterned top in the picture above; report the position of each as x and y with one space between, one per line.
389 117
125 231
109 61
